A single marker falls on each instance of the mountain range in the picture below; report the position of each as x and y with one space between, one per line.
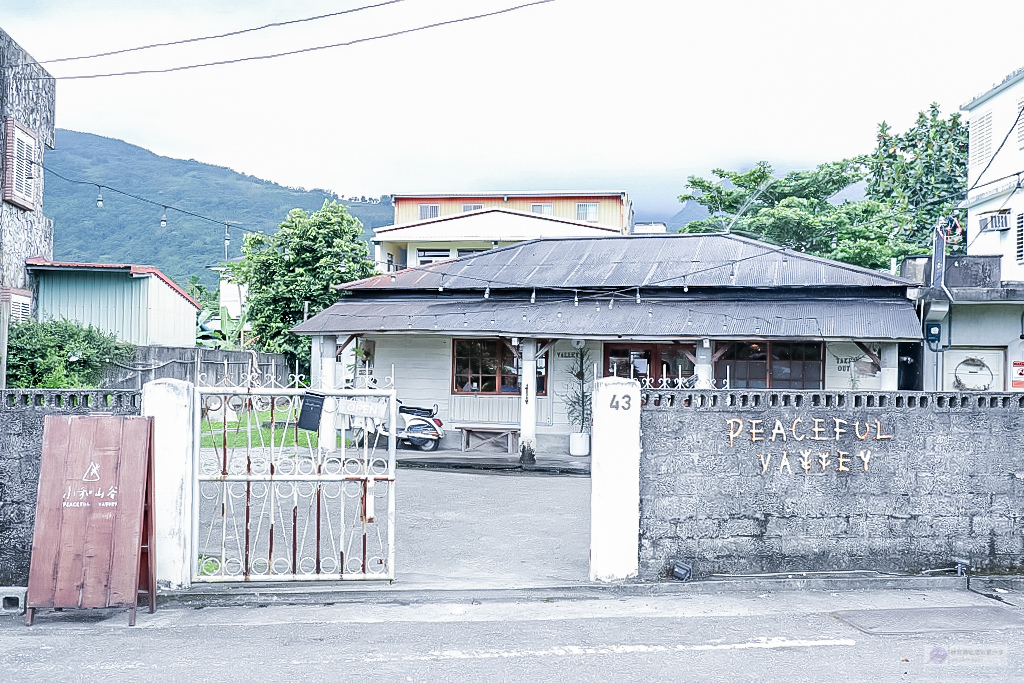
127 230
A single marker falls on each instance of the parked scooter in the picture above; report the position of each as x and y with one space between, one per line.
417 427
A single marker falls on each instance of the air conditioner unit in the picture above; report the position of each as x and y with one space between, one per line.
995 221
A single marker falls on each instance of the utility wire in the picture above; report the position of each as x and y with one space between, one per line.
219 35
999 149
102 186
349 43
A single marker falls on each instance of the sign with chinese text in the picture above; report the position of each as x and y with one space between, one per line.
90 547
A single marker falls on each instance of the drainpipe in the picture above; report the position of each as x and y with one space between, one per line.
528 402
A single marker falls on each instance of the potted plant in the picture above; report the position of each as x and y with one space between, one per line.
578 400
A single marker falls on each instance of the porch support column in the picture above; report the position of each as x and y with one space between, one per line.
528 402
890 358
328 349
327 434
704 368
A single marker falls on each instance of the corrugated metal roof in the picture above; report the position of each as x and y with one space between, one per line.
860 319
38 263
663 261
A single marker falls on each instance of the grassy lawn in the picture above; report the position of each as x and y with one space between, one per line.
256 430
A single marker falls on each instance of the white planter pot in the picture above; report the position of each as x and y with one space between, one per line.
579 444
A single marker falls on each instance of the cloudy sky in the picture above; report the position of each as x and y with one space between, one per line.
568 94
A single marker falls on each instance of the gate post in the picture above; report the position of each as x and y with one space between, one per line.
615 480
172 403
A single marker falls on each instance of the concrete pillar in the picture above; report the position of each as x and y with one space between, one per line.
615 480
528 402
328 433
704 368
173 404
890 358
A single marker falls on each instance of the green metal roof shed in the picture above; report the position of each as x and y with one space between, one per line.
137 304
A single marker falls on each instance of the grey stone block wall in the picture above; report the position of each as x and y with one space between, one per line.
944 480
22 412
28 95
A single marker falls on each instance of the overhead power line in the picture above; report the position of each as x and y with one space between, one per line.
229 34
998 150
166 207
348 43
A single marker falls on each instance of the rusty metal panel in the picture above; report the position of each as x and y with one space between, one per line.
90 525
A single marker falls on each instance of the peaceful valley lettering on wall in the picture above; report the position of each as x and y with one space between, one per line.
807 456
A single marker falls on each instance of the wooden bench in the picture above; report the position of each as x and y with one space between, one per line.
487 432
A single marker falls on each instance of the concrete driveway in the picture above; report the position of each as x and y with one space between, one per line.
488 530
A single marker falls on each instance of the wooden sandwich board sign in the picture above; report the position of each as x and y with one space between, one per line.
92 544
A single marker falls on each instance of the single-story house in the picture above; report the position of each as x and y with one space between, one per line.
493 337
137 304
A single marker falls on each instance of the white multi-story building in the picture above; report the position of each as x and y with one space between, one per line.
995 202
974 308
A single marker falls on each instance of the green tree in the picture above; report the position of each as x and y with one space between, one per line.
795 211
296 265
921 175
61 354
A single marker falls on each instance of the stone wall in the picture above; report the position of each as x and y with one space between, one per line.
21 443
764 481
27 94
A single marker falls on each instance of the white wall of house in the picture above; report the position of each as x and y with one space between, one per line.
989 333
171 319
848 367
423 376
990 117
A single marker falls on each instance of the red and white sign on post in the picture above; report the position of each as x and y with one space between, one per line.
1017 378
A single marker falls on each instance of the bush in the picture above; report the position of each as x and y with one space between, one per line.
61 354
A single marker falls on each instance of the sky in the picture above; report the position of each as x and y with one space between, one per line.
566 95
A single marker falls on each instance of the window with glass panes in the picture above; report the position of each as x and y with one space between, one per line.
490 366
771 365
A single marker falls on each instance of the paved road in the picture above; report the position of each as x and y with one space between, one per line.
463 541
784 636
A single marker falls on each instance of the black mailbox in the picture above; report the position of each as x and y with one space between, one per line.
312 406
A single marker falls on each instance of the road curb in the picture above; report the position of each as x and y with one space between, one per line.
219 595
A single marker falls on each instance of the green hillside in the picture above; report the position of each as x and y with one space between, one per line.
126 230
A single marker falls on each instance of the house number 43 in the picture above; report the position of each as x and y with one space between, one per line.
622 404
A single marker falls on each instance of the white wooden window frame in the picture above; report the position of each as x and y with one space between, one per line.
426 256
428 211
543 209
588 211
471 207
19 165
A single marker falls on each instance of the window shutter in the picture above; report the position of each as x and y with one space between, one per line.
1020 123
19 176
1020 238
980 133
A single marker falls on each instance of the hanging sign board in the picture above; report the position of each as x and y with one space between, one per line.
94 515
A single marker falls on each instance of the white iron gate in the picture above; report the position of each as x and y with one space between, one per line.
273 502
